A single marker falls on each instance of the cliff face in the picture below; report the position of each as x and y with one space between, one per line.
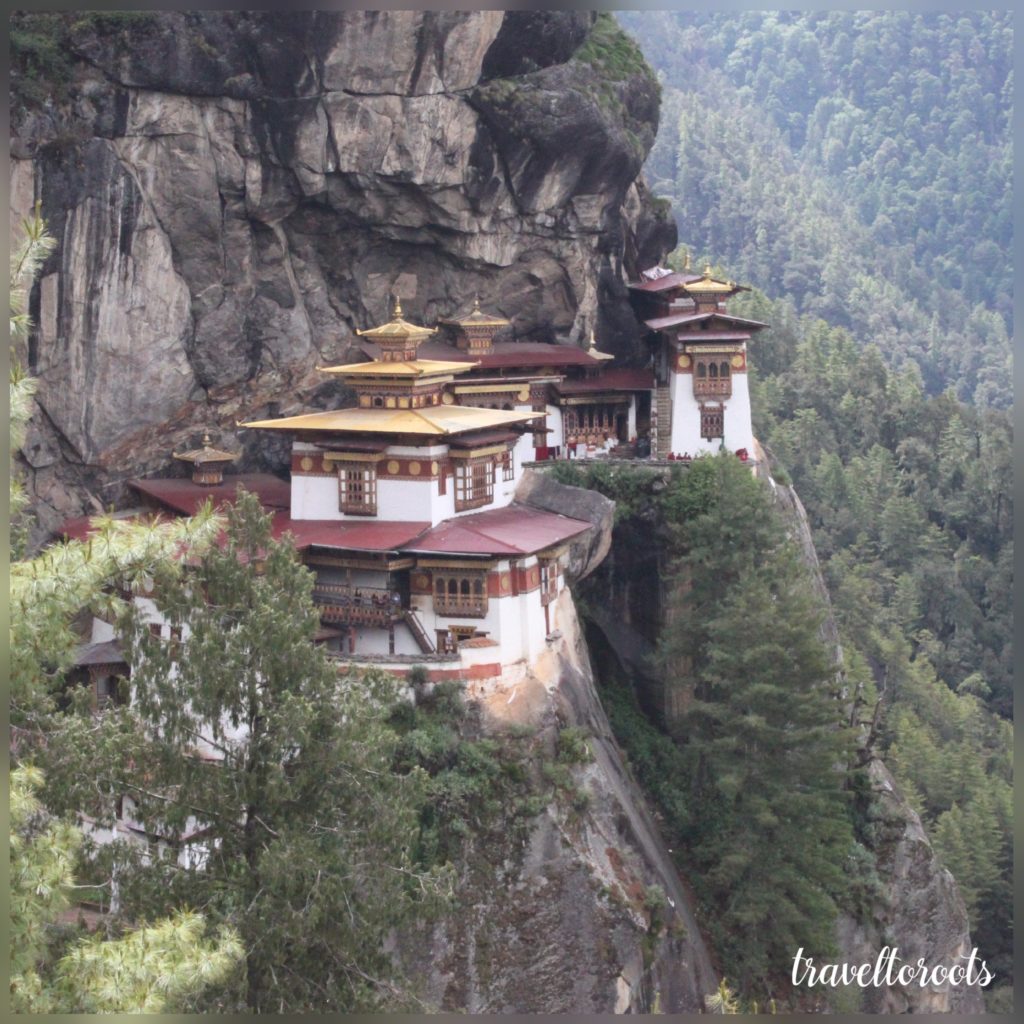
560 919
919 908
234 193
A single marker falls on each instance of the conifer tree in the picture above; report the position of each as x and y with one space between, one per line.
770 832
149 969
243 735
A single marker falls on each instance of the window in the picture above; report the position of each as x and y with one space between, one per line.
357 489
507 465
548 579
712 421
474 483
461 593
711 379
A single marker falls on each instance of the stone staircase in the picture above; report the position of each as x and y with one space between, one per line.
663 407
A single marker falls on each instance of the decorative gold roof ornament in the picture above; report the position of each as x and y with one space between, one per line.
686 260
207 453
398 339
707 283
477 318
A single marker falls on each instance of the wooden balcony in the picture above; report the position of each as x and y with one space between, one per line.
463 606
363 606
712 387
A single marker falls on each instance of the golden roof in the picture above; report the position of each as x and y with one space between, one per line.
206 453
476 318
436 420
397 329
399 368
593 351
707 283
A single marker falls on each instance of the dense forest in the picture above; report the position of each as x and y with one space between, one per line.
859 164
855 169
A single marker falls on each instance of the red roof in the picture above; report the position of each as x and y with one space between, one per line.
679 319
514 530
186 497
621 378
347 535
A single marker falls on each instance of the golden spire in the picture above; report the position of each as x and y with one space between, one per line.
707 269
398 308
686 260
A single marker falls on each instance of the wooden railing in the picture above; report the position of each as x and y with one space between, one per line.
468 606
717 387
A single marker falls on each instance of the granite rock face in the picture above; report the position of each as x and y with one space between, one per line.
234 193
558 917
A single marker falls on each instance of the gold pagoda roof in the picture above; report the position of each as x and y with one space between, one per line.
206 453
436 421
477 318
707 283
397 329
399 368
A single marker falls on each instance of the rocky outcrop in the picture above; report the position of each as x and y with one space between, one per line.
584 912
587 553
234 193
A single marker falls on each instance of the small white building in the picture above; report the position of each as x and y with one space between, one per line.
700 363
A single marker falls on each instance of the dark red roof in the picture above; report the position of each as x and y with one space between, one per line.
680 319
661 284
79 527
347 535
512 531
186 497
621 378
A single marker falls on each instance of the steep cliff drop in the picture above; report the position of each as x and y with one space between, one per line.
585 912
921 912
234 193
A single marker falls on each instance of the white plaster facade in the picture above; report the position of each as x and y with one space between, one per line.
737 428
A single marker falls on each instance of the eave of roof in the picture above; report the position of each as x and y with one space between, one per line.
433 421
513 531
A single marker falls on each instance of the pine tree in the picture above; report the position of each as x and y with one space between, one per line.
250 740
770 831
147 970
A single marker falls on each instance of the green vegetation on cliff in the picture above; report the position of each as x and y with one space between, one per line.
747 773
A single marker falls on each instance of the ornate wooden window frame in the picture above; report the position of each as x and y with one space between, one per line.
712 421
461 592
357 488
474 483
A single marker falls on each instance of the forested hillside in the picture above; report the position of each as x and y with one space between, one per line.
855 169
857 163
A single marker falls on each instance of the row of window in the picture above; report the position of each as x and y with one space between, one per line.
474 484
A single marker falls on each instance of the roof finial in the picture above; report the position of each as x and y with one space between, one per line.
206 439
686 260
476 303
398 307
707 269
